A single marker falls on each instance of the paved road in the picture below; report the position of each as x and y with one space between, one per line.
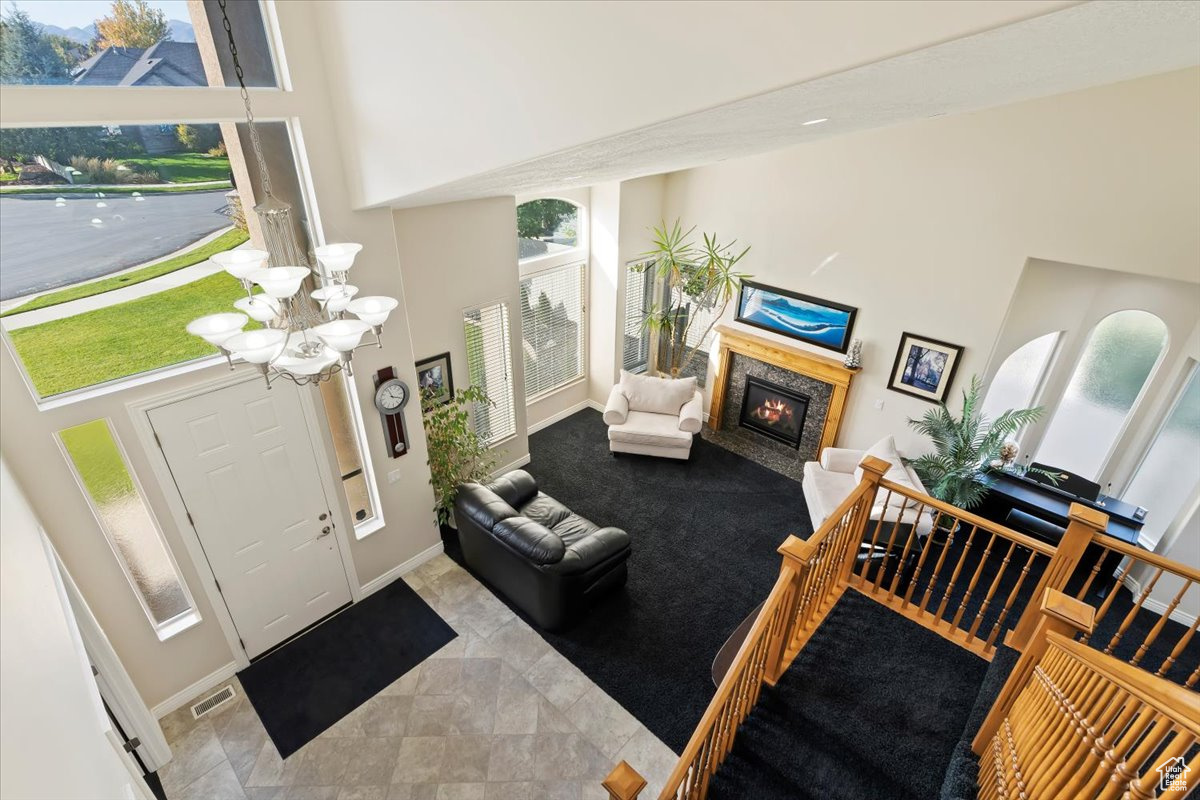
43 247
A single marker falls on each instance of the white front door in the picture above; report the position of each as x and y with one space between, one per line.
243 461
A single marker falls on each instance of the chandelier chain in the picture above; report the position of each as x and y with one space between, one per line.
264 173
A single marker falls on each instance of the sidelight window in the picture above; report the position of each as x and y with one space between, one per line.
489 364
116 499
1019 378
553 328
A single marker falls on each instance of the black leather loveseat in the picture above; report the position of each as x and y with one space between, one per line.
548 560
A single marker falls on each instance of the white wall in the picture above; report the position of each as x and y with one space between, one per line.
930 224
516 80
454 256
161 669
52 731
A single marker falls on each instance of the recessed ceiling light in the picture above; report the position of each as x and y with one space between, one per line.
816 121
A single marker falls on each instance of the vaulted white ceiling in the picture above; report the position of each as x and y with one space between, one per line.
443 102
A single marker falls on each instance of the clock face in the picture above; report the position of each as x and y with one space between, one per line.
391 396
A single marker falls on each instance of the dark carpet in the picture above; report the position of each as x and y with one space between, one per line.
871 708
704 534
963 771
309 684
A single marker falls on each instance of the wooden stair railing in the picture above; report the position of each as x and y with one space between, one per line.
1086 725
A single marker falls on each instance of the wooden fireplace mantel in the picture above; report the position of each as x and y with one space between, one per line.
822 368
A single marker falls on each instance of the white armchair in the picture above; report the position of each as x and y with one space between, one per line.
654 416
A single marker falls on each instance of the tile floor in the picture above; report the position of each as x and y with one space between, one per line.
497 713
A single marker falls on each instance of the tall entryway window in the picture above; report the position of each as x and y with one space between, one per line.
1170 471
1119 358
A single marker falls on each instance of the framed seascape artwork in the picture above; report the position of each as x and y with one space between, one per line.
809 319
434 373
924 367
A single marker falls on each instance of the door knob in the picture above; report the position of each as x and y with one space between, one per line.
324 532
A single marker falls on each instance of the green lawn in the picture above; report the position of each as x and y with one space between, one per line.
125 339
98 462
183 167
226 241
63 188
8 177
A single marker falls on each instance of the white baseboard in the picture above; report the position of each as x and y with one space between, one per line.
372 586
1157 606
520 462
596 405
566 412
185 696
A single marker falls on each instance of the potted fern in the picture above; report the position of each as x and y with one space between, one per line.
700 281
964 446
456 453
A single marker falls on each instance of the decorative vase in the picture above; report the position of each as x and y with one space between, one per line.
854 355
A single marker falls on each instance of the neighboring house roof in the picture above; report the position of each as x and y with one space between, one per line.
165 64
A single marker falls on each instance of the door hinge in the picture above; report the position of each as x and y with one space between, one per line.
218 583
157 440
191 521
243 644
131 745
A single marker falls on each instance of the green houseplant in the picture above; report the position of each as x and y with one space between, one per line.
963 446
456 453
696 279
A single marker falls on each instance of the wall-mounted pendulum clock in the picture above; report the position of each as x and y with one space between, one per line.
391 395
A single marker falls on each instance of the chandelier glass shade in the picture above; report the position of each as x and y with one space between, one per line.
308 336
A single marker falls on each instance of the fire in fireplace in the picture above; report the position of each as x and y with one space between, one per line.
773 411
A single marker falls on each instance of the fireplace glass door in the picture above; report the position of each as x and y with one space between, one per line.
773 411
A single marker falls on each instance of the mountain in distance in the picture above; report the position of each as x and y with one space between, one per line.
180 31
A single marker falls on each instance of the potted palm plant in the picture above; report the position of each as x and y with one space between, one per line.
456 453
964 446
696 279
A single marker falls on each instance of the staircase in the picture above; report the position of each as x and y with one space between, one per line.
983 664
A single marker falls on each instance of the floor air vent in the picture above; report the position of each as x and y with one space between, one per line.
212 701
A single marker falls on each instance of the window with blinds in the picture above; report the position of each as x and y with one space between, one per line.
489 365
552 328
639 299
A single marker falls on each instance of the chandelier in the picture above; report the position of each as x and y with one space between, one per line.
300 341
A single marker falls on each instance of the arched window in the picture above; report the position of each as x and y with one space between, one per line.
1016 383
552 254
1119 357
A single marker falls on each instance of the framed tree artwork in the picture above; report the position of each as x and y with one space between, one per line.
433 373
924 367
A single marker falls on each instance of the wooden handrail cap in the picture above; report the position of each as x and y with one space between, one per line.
875 464
797 548
624 781
1066 608
1088 516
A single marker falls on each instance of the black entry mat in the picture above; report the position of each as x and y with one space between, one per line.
306 686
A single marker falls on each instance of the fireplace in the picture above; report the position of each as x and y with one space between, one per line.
774 411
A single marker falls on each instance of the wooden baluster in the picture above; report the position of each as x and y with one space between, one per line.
1133 612
1193 678
874 469
1147 785
887 553
1084 523
966 598
1126 769
912 535
925 548
1112 594
987 600
624 782
1180 646
1058 613
1104 551
937 569
1012 597
957 569
1158 626
796 554
854 537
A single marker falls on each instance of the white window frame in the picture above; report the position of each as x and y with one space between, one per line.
506 336
180 622
647 283
582 265
579 252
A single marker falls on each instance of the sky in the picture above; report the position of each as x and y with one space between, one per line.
81 13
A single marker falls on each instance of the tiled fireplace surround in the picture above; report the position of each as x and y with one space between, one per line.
823 379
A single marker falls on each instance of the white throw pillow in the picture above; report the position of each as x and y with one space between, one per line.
885 448
656 395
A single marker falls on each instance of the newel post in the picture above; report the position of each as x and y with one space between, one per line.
874 469
797 558
623 783
1058 613
1085 523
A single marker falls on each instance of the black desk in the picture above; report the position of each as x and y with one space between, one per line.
1008 490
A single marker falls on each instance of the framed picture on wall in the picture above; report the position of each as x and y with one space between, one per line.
434 373
924 367
809 319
